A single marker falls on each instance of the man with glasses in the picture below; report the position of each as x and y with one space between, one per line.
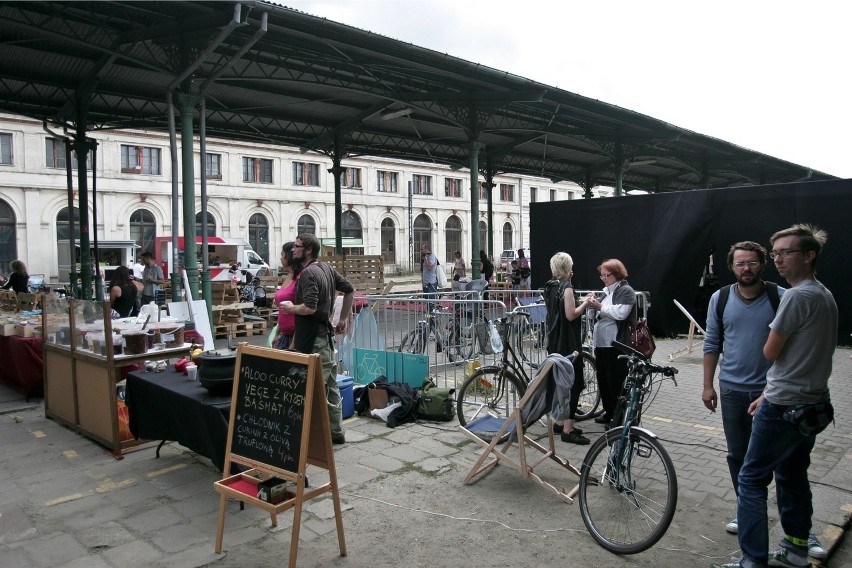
801 344
738 319
315 293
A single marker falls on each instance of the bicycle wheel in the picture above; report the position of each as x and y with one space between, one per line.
628 504
413 343
590 398
490 390
531 342
461 343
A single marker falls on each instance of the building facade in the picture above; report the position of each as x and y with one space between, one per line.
264 193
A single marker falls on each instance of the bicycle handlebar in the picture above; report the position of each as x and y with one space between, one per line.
638 359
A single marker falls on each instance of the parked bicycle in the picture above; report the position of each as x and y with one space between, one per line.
450 328
531 342
628 485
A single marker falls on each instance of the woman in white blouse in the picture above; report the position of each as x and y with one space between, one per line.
614 308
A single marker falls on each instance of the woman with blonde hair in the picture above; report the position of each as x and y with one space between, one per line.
564 335
614 308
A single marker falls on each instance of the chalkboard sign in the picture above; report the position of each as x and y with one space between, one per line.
268 411
279 424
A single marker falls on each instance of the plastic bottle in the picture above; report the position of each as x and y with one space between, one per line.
496 344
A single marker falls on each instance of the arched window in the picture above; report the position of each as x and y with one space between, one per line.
483 236
306 225
63 223
507 236
454 238
388 241
422 234
211 224
351 225
8 243
258 235
143 230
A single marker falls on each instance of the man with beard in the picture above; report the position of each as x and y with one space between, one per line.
315 292
743 328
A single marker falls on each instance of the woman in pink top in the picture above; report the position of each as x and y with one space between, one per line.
287 291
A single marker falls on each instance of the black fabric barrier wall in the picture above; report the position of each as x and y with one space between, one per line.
666 240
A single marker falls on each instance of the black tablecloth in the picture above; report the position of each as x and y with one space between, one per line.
168 406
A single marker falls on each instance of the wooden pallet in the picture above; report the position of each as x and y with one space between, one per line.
242 329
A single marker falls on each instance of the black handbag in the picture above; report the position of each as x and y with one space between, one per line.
810 419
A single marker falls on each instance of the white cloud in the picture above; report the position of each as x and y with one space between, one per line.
769 76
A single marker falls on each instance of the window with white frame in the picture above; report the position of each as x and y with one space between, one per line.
143 160
5 149
483 193
257 170
387 182
452 187
421 185
305 174
54 155
350 178
553 195
533 194
507 192
213 166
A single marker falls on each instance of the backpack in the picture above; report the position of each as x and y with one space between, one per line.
436 403
725 292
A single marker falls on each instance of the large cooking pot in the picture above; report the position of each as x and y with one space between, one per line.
216 371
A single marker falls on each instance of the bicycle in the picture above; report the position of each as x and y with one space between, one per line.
531 342
456 337
628 486
589 405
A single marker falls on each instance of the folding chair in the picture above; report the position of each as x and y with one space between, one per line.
694 328
499 435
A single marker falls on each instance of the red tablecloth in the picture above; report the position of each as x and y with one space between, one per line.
22 364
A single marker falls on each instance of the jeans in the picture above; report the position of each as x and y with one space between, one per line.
776 446
431 293
737 424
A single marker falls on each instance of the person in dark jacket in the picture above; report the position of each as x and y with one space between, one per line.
19 278
122 292
487 266
564 313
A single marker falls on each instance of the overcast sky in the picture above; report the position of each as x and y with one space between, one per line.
769 76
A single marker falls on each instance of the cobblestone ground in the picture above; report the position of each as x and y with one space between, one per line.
65 502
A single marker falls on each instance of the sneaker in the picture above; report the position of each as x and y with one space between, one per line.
732 527
338 438
815 549
573 437
728 565
558 429
780 558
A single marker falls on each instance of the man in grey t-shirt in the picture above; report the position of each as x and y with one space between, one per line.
801 343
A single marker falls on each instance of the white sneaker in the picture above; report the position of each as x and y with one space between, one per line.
815 549
732 527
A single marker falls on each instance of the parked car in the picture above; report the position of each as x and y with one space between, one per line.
506 258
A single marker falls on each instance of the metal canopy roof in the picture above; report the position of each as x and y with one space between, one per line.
276 75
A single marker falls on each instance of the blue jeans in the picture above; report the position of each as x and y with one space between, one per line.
430 292
737 424
776 446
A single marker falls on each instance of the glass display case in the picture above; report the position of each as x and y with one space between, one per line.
86 355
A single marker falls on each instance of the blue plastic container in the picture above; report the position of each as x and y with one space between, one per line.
344 383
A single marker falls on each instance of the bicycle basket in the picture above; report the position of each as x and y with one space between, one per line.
503 331
483 336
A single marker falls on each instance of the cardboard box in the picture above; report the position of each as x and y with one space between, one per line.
273 490
25 330
378 398
8 329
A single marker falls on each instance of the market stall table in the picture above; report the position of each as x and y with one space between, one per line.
169 406
22 365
